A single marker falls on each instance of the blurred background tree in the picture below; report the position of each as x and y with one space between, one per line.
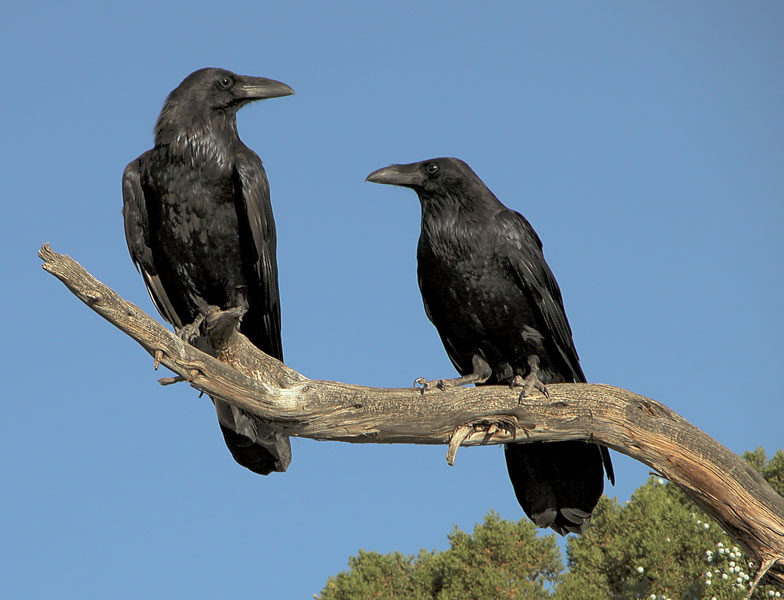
656 546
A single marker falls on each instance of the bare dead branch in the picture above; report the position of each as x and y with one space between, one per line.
719 481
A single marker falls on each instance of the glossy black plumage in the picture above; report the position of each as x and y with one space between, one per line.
199 224
495 303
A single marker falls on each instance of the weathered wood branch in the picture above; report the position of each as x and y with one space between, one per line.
719 481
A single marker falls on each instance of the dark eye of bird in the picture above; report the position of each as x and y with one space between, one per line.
224 82
432 169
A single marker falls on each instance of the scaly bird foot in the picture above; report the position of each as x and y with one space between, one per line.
441 384
423 384
530 381
480 374
188 333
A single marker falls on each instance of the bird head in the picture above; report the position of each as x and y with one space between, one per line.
212 92
438 179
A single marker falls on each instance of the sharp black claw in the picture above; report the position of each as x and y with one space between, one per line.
530 381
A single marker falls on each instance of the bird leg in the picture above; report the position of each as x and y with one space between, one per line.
480 374
190 332
531 380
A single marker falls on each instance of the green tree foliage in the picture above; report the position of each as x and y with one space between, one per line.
772 470
659 546
500 560
656 546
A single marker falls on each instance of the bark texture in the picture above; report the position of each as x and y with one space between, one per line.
290 404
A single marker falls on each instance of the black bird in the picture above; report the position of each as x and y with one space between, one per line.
199 225
495 303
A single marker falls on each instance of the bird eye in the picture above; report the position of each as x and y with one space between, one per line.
432 169
225 82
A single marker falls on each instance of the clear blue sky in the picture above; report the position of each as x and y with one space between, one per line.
642 140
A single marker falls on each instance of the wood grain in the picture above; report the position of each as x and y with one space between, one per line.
290 404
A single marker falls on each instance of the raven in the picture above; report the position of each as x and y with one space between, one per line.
199 225
497 307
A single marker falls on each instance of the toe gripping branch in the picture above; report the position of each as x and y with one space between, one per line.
530 381
481 373
218 325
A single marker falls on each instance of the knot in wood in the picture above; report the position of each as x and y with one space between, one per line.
651 409
93 297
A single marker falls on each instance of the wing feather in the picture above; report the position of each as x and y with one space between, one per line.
523 248
137 231
255 196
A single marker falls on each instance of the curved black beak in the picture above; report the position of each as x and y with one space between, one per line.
406 175
260 88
